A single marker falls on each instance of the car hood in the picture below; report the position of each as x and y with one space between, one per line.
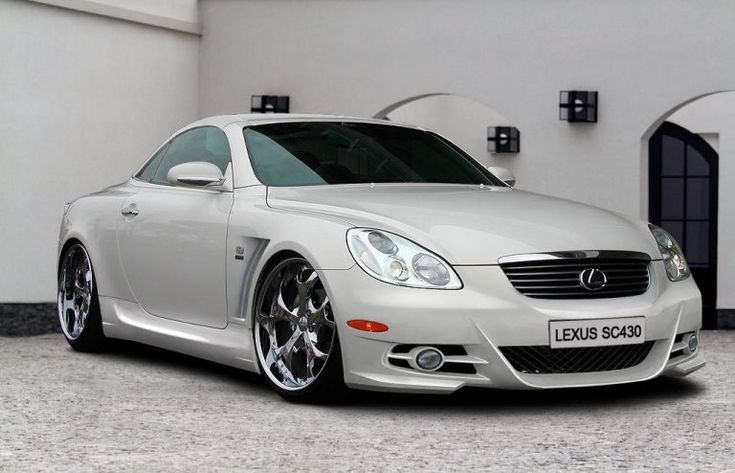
471 224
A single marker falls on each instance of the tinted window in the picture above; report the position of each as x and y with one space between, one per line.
207 144
149 170
299 154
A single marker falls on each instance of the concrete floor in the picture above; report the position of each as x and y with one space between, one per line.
141 409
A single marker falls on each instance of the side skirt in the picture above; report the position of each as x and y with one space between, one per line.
232 345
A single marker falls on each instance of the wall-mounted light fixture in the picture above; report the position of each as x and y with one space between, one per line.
269 103
503 139
577 106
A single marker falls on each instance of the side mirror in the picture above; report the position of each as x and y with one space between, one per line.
195 173
503 174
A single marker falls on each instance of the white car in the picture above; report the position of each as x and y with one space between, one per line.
331 253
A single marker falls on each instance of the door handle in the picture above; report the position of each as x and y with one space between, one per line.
129 211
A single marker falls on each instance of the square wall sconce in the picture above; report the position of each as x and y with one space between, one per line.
269 103
578 106
503 139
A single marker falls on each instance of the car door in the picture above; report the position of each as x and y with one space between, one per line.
172 238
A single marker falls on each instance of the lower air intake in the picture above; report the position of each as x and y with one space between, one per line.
545 360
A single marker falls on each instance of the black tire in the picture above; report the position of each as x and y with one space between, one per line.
328 386
91 337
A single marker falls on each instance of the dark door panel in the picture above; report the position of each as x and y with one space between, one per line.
683 179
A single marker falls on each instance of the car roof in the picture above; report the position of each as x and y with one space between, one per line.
262 118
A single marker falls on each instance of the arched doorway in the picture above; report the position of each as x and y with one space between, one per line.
683 198
462 120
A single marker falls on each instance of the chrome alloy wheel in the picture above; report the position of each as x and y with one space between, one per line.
75 291
294 326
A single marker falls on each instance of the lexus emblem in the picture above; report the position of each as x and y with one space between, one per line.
592 279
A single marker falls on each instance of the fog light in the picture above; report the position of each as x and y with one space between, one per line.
429 359
692 343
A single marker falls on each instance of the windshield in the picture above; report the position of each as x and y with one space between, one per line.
315 153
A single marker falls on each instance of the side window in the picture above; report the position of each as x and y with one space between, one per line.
207 144
150 168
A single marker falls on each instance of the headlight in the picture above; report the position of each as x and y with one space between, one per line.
396 260
676 266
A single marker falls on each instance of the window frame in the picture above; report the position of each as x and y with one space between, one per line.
167 145
162 148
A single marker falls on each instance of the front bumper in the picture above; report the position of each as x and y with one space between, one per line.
489 313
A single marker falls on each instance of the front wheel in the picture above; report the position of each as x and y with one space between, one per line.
296 335
78 306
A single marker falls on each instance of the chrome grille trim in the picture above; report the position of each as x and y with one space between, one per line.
576 254
557 275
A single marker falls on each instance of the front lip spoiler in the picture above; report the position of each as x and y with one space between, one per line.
686 367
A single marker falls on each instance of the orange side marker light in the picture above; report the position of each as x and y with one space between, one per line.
367 325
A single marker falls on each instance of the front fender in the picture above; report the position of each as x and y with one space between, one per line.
257 232
93 220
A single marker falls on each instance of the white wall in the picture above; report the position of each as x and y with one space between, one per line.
83 101
715 114
461 120
356 57
184 10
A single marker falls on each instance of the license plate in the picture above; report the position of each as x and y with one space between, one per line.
597 332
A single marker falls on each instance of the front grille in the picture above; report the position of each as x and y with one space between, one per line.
559 275
545 360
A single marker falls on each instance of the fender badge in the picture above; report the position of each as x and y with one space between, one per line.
239 253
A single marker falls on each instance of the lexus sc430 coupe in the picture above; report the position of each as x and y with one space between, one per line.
330 253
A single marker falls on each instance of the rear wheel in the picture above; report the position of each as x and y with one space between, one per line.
78 306
296 335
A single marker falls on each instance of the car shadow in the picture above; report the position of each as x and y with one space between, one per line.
196 367
663 389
